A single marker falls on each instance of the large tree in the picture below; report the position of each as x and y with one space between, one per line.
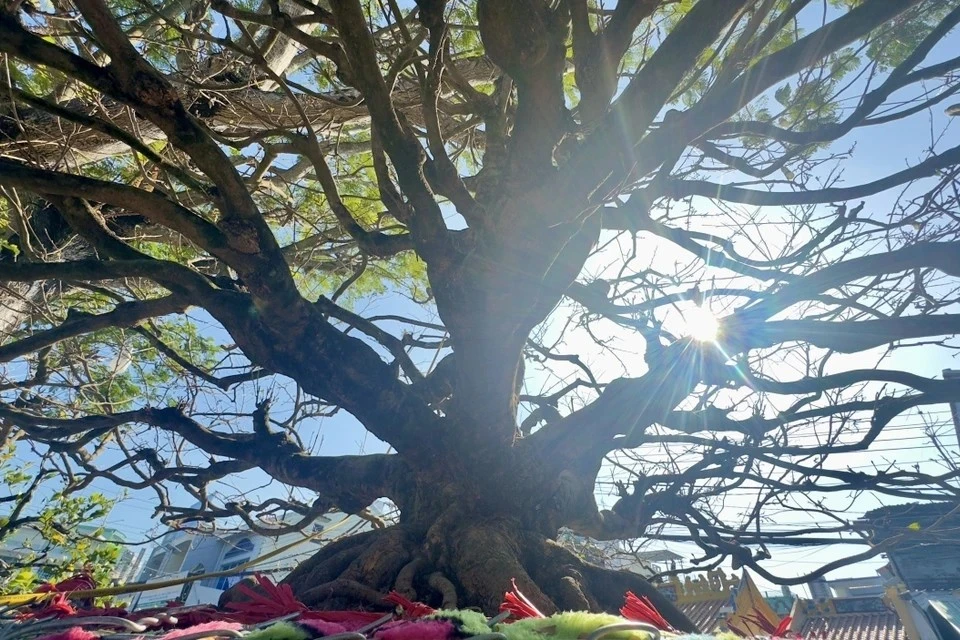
535 192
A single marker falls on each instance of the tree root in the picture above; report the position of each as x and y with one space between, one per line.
569 596
474 567
484 558
404 583
331 560
331 594
442 585
382 559
574 584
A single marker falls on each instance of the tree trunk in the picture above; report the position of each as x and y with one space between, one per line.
465 553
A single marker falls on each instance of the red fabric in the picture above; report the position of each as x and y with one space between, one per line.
277 600
640 608
783 628
57 607
207 626
416 630
780 632
73 633
352 620
518 604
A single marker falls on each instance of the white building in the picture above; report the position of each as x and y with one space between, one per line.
183 553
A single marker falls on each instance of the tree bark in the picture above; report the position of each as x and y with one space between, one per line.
462 541
472 563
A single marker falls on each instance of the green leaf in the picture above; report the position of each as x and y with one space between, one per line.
783 94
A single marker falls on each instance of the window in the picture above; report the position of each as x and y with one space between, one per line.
178 555
236 555
152 568
243 546
225 582
197 570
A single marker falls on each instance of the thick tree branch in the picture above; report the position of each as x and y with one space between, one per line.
598 55
95 270
130 79
585 173
125 314
678 189
943 256
843 337
404 150
630 116
349 482
628 406
152 205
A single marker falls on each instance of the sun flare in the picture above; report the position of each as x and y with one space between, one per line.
700 324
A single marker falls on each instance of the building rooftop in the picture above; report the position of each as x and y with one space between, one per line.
854 626
710 616
902 515
863 581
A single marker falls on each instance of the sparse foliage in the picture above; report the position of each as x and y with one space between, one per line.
44 529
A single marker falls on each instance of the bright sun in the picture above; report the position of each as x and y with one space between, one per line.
700 324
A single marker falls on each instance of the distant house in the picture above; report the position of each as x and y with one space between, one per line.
25 542
616 554
927 555
781 603
182 553
865 587
839 610
924 564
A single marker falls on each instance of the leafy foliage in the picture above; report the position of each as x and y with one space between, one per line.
46 529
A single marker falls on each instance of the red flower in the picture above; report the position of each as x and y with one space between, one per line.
58 606
518 605
783 628
781 631
410 609
276 600
640 608
758 619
